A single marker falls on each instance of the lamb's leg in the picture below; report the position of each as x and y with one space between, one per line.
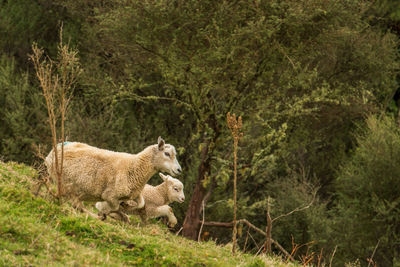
166 211
140 201
137 203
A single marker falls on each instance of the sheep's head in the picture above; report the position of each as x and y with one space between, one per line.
165 158
175 188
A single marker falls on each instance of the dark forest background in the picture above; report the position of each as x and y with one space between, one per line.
316 83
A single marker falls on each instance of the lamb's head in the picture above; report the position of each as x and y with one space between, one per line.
165 159
175 188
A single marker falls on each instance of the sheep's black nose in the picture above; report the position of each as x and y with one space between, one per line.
179 170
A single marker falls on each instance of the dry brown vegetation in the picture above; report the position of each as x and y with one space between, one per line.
57 78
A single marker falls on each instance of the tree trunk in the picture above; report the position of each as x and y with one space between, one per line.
191 224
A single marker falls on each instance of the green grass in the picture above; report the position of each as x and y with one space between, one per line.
37 231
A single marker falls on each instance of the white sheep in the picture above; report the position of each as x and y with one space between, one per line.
94 174
156 200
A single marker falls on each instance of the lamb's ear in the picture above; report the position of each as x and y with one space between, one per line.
164 177
161 143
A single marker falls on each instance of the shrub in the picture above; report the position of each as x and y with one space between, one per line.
368 199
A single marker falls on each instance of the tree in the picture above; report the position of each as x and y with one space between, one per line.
286 67
302 74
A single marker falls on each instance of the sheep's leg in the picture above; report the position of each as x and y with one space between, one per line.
91 214
112 196
144 219
166 211
108 207
122 216
110 204
77 204
117 215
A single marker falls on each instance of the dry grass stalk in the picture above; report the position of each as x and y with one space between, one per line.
235 126
305 259
57 79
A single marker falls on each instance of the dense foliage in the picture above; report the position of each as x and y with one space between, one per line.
368 199
305 75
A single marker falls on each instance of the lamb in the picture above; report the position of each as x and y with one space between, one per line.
94 174
156 200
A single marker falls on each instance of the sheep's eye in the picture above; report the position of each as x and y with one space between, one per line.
167 154
176 189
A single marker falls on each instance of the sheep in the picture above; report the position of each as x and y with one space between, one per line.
156 200
94 174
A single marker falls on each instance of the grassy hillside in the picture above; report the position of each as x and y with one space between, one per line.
36 231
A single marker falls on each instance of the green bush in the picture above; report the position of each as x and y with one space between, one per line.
22 116
368 199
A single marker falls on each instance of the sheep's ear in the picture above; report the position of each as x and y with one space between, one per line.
161 143
164 177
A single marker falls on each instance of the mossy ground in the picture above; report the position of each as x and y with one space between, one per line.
35 230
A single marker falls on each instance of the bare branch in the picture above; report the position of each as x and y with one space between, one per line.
252 226
136 97
333 254
177 233
298 208
202 223
267 244
373 253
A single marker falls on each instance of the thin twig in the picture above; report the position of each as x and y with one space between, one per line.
247 237
209 192
298 208
333 254
320 257
253 240
261 247
202 223
39 235
230 224
373 253
268 230
177 233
